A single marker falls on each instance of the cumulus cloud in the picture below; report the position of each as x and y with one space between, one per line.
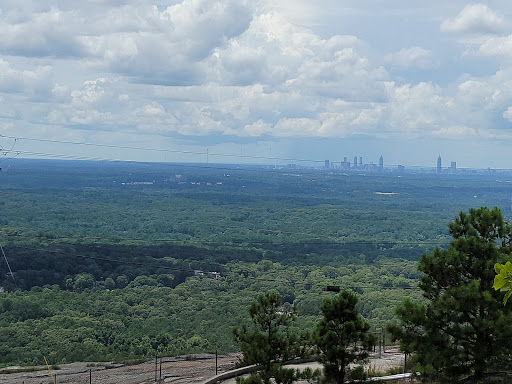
475 18
417 109
91 91
36 83
288 58
153 109
508 114
413 57
497 47
258 128
455 132
45 33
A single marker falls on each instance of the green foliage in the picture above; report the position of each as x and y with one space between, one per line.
503 279
267 341
357 374
90 247
147 319
462 329
83 281
342 336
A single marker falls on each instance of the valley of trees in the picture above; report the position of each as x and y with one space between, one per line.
111 261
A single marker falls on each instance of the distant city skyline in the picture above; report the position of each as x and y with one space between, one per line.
12 147
345 164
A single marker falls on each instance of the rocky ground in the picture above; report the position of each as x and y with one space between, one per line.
179 370
192 369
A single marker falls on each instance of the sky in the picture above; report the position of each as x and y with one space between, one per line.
262 81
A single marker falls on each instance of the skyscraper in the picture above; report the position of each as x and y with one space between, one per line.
381 163
355 161
439 169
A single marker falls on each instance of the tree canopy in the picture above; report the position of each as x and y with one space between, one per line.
463 328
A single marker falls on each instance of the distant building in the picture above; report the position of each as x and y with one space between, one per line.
361 160
327 165
439 168
453 166
214 275
400 168
198 273
345 164
355 161
381 163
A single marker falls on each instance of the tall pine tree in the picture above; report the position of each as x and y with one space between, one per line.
267 341
463 329
342 336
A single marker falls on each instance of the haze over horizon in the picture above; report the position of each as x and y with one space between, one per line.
267 79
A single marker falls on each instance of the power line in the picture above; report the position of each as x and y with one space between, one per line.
8 266
116 261
206 153
162 150
6 152
220 166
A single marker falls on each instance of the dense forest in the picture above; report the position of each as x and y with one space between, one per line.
126 260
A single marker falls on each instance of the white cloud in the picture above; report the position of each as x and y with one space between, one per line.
497 47
45 33
413 57
297 127
153 109
508 114
417 109
90 116
92 91
34 83
475 18
455 132
258 128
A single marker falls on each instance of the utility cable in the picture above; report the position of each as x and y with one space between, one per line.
200 153
162 150
8 266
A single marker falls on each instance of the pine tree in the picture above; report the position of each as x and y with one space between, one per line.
267 341
463 328
342 336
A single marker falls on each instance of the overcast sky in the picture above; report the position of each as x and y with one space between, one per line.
324 79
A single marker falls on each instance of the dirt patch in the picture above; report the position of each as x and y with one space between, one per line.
177 370
379 362
193 369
